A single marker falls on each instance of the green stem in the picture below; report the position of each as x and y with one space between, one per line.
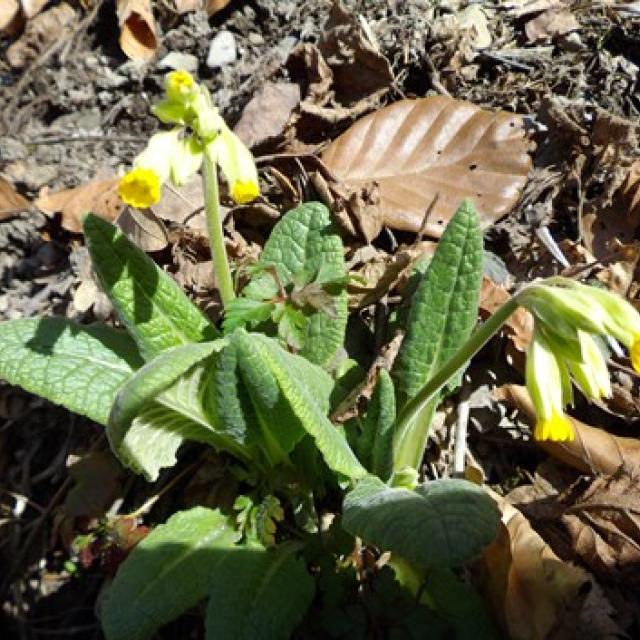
412 425
216 236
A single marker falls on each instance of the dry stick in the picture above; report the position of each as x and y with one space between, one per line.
102 137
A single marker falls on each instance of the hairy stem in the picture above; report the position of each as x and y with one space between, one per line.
216 236
412 425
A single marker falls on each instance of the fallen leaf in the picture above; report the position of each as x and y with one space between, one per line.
474 18
592 451
100 196
551 24
603 522
183 205
415 149
39 34
519 326
533 593
144 228
10 17
32 8
138 37
267 113
213 6
11 202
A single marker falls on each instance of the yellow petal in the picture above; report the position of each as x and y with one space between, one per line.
243 192
140 187
635 353
178 85
557 428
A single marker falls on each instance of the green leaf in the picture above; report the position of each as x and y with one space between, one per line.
167 573
257 593
292 381
79 367
304 242
443 523
460 605
160 407
242 311
443 313
376 443
149 302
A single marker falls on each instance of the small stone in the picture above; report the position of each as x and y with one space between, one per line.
12 149
222 50
256 38
179 62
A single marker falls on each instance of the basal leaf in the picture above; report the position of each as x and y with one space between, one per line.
416 150
258 593
302 399
304 243
149 302
167 573
80 367
149 441
443 313
443 523
376 441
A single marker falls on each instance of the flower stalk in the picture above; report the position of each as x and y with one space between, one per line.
216 235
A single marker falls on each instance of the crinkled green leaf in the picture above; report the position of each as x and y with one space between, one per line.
441 523
258 593
376 441
167 573
443 313
79 367
305 243
302 398
160 407
149 302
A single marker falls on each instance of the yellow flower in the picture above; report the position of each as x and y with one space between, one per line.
243 192
546 379
634 353
557 428
140 187
178 85
591 374
237 165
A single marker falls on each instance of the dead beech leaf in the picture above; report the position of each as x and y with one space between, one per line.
267 113
519 326
11 202
10 16
144 228
553 22
535 594
138 37
604 526
100 196
593 450
213 6
415 149
39 34
32 8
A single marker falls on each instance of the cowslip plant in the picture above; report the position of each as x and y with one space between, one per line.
261 390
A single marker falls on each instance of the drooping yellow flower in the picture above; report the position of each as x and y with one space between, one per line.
546 378
591 374
140 187
237 164
178 85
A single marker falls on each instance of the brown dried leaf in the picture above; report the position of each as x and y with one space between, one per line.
183 205
550 24
10 16
604 526
39 34
519 326
100 196
138 37
267 113
144 228
213 6
32 8
592 451
11 202
534 594
415 149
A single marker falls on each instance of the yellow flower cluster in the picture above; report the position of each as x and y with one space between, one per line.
566 348
177 154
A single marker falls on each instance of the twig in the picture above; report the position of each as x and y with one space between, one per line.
102 137
509 62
